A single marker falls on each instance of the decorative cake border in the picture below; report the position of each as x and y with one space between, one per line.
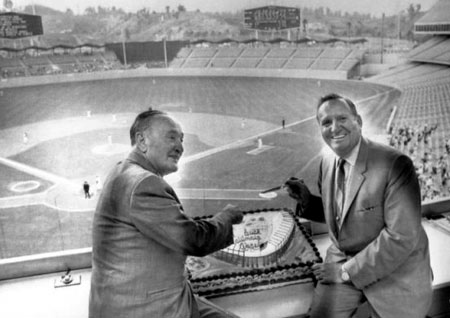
258 278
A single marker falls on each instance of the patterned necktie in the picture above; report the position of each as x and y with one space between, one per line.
340 188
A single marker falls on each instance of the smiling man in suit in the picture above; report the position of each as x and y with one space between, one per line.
370 200
141 236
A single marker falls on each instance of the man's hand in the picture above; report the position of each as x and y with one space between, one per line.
297 190
328 273
236 215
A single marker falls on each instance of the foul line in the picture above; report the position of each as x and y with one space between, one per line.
35 171
188 193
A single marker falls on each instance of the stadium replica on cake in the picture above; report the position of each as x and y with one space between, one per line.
271 248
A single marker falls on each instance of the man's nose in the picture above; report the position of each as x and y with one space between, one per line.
334 125
179 147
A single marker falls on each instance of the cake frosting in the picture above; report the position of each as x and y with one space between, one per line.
271 248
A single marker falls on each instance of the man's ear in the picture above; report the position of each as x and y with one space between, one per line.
360 121
140 142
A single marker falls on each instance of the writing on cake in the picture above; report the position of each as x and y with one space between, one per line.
253 234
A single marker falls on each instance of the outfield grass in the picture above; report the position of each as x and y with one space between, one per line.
267 99
293 152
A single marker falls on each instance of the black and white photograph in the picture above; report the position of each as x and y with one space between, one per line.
228 158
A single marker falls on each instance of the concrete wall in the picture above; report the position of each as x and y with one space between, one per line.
229 72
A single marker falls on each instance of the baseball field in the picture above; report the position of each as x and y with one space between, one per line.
54 137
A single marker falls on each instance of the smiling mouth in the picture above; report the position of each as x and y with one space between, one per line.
338 137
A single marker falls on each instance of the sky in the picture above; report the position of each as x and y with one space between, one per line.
389 7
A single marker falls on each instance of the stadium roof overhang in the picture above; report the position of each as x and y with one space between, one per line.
436 20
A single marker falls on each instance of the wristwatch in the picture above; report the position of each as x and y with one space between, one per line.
344 274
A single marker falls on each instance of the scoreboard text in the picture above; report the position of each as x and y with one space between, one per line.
272 18
18 25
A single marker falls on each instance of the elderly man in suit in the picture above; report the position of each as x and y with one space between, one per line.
370 200
141 236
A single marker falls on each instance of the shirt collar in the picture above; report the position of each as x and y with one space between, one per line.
137 157
353 155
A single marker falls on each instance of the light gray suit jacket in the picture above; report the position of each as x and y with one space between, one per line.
381 237
141 238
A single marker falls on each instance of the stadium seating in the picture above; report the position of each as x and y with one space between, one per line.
407 74
196 62
184 52
333 53
269 57
272 63
325 64
203 53
227 52
261 57
308 53
280 52
246 62
425 51
37 60
347 64
299 63
255 52
224 62
425 85
177 62
58 63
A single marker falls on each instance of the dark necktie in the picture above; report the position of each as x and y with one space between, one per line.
340 188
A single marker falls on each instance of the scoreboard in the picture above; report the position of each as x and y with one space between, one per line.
272 18
18 25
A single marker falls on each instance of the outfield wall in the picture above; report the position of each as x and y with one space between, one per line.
145 72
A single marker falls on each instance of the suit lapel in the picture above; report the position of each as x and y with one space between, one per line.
329 171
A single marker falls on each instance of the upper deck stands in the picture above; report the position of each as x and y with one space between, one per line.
227 52
222 62
63 59
246 62
255 52
196 62
57 63
303 63
434 41
444 58
6 62
325 64
280 52
406 73
347 64
308 53
184 52
435 50
36 60
272 63
339 59
337 53
203 53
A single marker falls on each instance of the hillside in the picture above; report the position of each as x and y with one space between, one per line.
101 25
